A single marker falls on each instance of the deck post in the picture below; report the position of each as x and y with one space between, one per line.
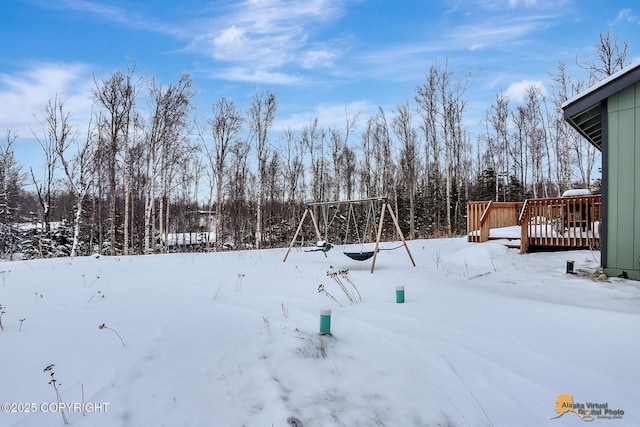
524 227
484 223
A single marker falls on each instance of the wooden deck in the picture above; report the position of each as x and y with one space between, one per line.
561 222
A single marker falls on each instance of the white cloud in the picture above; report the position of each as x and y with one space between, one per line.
134 16
265 37
25 94
250 75
230 44
492 32
463 43
517 91
627 15
109 12
318 58
527 3
328 115
516 4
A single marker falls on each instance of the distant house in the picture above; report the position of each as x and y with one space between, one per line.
608 116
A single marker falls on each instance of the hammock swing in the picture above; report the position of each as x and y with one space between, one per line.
362 255
365 255
359 256
324 246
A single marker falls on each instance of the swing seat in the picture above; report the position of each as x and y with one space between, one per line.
359 256
321 246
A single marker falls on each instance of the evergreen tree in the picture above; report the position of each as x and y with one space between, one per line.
35 242
486 186
11 179
515 190
62 239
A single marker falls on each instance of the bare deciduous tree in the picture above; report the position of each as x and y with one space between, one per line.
116 95
497 140
261 115
56 131
226 124
77 170
238 183
382 144
341 155
564 136
402 125
441 107
293 152
312 138
611 56
165 147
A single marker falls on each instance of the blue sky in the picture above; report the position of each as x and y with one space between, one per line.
321 57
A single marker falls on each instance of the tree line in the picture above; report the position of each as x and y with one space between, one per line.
144 168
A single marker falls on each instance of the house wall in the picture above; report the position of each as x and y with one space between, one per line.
623 183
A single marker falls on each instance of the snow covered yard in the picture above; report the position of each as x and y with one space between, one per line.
487 337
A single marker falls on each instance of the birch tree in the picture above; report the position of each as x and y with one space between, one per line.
564 135
293 165
165 146
226 124
76 168
340 152
611 57
497 139
56 130
367 165
312 138
261 115
441 107
238 184
116 95
426 99
520 146
402 125
382 145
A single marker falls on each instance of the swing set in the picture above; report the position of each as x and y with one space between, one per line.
350 220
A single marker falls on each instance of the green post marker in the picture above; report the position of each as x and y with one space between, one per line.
400 294
325 322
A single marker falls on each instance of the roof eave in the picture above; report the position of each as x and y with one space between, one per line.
591 99
605 88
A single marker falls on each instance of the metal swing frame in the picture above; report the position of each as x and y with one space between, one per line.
386 207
